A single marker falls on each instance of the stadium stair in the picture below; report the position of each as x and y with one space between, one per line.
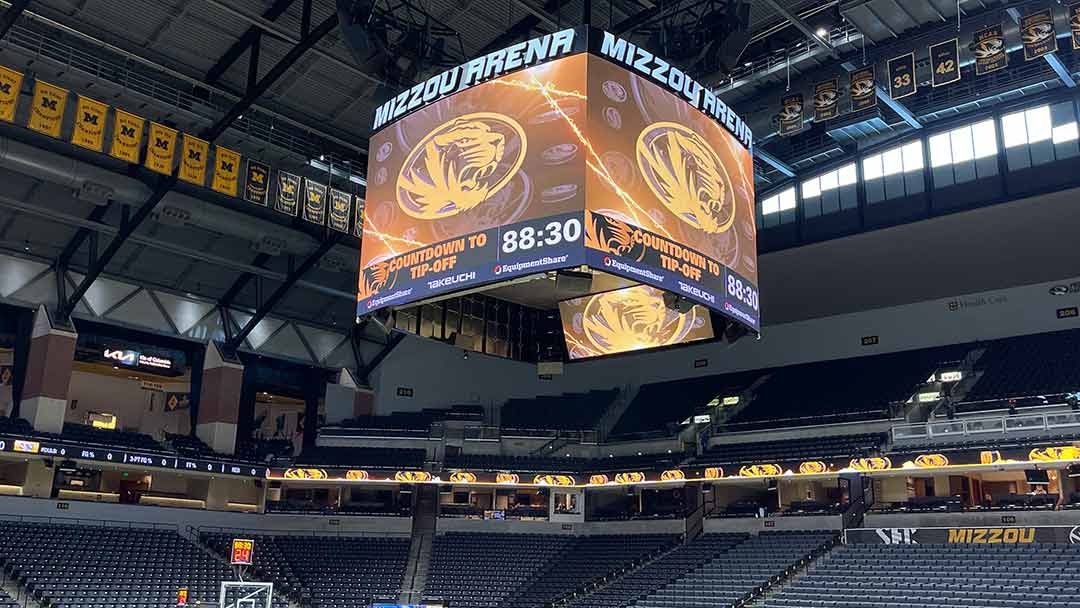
425 518
14 596
582 594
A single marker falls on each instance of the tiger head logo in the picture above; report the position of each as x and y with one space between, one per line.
924 461
825 99
374 279
598 480
305 474
459 164
989 48
714 473
632 319
462 477
634 477
813 467
862 87
412 476
1037 32
672 475
687 175
554 480
792 109
876 463
1067 452
357 475
761 470
507 478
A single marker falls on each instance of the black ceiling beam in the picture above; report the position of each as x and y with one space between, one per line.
241 281
391 343
11 15
268 305
64 259
210 134
244 42
520 29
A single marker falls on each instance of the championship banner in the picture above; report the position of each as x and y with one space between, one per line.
47 111
89 130
257 182
994 535
226 171
1074 25
988 47
194 156
863 88
945 59
127 136
339 211
160 149
358 220
902 81
826 100
791 114
1038 34
314 202
10 88
288 193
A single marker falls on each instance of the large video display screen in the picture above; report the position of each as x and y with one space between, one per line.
484 185
670 194
627 320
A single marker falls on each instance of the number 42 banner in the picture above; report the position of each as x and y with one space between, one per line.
945 59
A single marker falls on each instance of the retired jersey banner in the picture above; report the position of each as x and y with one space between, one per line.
863 88
991 535
10 88
340 208
287 200
902 81
194 156
826 100
358 220
257 182
945 60
791 114
161 149
989 50
314 202
127 136
1074 25
89 130
226 171
47 112
1038 34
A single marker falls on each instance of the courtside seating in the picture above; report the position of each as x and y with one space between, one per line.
739 571
938 576
68 566
327 571
587 559
639 583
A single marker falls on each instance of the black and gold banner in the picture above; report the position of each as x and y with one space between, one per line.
257 182
47 112
314 202
1038 34
340 207
791 114
288 193
945 60
160 149
827 100
89 130
10 87
991 535
127 136
1074 25
902 82
358 220
863 88
988 47
226 171
194 156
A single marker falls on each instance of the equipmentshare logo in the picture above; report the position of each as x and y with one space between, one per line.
526 265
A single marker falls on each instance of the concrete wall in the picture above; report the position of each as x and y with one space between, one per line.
667 526
754 525
134 407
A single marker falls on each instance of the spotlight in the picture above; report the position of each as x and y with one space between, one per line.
822 32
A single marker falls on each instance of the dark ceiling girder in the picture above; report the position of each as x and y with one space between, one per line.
295 275
11 15
803 27
244 42
241 281
391 343
64 259
210 134
522 28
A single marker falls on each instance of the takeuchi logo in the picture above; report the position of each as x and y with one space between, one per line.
687 175
460 164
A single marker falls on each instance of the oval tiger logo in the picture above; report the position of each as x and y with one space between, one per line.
462 477
553 480
356 475
672 475
931 460
412 476
507 478
634 477
714 473
761 470
598 480
875 463
305 474
813 467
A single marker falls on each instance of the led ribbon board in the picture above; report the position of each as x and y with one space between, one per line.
574 148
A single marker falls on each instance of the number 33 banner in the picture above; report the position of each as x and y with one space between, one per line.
902 76
945 59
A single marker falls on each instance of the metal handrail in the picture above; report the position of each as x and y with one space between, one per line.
980 426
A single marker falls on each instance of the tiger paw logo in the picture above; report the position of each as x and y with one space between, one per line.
460 164
687 175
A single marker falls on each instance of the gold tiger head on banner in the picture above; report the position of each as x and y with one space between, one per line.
1066 452
925 461
687 175
357 475
672 475
863 87
791 109
825 99
761 470
305 474
875 463
813 467
412 476
507 478
714 473
1037 32
632 319
633 477
462 477
554 480
989 48
598 480
460 164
